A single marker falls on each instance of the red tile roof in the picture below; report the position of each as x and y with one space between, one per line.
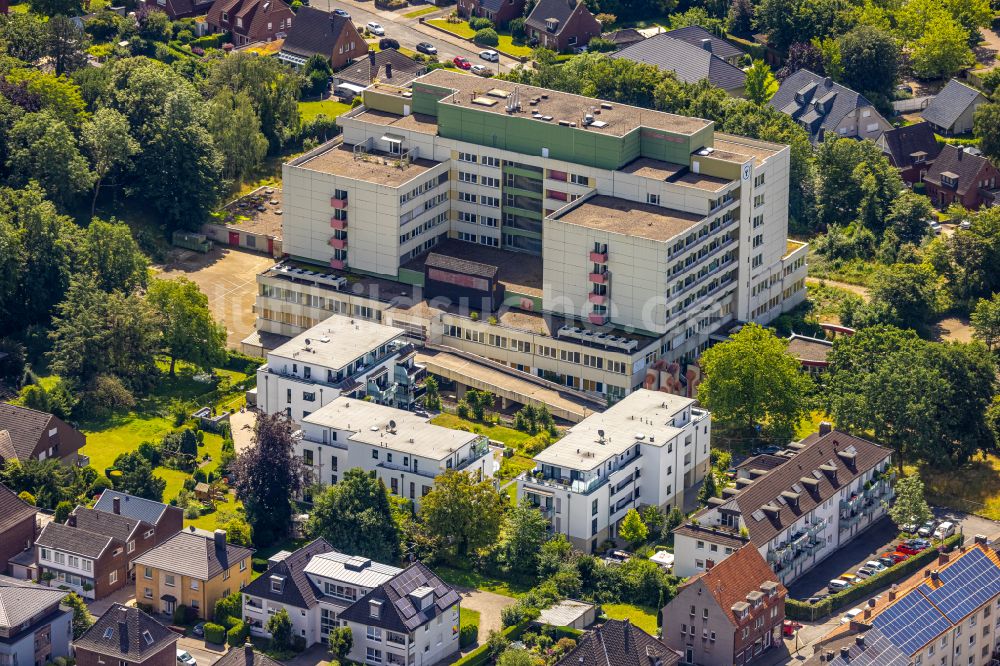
733 578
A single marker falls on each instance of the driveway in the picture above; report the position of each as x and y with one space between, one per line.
241 425
124 596
489 605
970 524
229 278
203 653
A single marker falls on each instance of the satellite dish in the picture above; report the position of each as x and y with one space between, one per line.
307 340
600 433
392 424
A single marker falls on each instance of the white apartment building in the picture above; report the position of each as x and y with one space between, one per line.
622 235
830 488
396 616
339 356
403 449
647 449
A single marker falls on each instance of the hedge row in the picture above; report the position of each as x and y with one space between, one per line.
800 610
215 633
480 656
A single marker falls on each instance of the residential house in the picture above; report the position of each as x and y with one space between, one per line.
695 35
324 33
411 618
561 25
137 535
17 531
28 434
4 6
690 62
388 65
831 487
946 613
951 111
125 636
624 37
178 9
619 643
823 107
193 569
650 448
729 614
958 175
251 20
35 628
912 149
166 520
401 448
90 563
500 12
245 655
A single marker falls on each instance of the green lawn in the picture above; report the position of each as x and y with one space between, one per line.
508 46
106 444
511 467
512 587
421 12
468 616
20 9
810 423
513 438
309 110
460 29
643 617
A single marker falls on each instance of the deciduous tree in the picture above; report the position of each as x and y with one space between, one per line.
985 321
190 332
113 257
464 513
942 50
870 59
986 127
633 529
110 146
524 531
355 516
137 477
42 148
909 506
236 131
760 83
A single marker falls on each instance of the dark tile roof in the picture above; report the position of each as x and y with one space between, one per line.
20 600
492 5
126 633
245 655
138 508
363 71
808 349
690 63
798 93
13 511
732 579
721 537
298 590
950 103
105 524
900 143
954 160
764 461
560 10
623 37
455 264
72 540
398 613
25 427
314 31
193 554
694 34
816 451
619 643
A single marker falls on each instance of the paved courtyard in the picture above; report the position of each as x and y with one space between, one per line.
228 278
489 605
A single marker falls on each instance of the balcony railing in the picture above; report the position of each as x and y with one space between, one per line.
339 225
599 257
597 299
338 203
598 278
577 486
338 243
338 264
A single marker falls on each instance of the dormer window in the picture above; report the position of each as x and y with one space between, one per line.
950 179
277 584
239 22
374 608
225 17
551 24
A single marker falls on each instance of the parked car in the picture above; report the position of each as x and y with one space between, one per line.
851 614
199 629
789 627
876 565
342 12
375 28
184 657
911 527
850 578
818 598
927 529
427 47
965 225
944 530
461 62
912 547
838 584
934 227
921 543
489 54
481 70
617 557
866 572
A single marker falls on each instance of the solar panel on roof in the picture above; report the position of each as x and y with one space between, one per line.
911 622
966 585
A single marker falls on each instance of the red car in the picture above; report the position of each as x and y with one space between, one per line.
789 628
462 63
908 549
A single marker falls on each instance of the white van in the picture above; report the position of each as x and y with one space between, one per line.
850 615
944 530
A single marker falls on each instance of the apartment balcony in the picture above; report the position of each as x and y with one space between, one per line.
581 486
598 319
338 243
338 203
339 225
598 278
598 299
338 264
599 257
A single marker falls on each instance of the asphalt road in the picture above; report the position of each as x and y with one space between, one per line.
409 31
202 654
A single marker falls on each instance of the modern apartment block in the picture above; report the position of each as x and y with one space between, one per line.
647 449
340 356
830 488
619 235
403 449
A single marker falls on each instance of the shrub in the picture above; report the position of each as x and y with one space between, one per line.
468 635
238 634
298 643
259 564
601 45
227 607
486 37
180 614
27 498
517 31
480 23
215 633
387 43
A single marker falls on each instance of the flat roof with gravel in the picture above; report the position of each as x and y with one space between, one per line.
630 218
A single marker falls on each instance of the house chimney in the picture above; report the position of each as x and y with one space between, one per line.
220 538
707 44
981 540
71 521
827 82
845 653
943 558
934 575
371 57
248 651
859 640
867 614
825 427
116 505
388 70
892 592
